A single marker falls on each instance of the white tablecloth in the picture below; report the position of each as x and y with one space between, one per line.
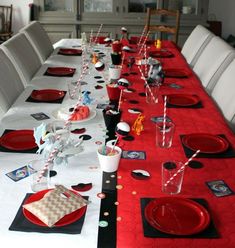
83 168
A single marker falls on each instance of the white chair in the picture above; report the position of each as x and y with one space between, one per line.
11 85
224 94
23 56
213 60
39 39
195 44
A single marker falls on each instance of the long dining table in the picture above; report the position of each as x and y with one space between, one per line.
116 218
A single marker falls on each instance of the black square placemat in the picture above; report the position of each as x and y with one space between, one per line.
149 231
20 223
4 149
229 153
60 100
195 106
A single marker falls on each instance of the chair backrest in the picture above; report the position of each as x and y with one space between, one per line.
224 93
212 62
39 39
23 56
195 43
5 21
163 27
11 85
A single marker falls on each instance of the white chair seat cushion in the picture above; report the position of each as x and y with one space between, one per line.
212 62
224 92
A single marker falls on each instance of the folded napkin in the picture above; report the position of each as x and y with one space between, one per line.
59 100
229 153
151 232
55 205
20 223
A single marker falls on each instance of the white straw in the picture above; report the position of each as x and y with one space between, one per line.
182 168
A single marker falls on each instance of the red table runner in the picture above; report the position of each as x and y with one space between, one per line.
187 120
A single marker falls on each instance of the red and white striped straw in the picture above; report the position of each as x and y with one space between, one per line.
146 62
47 164
144 42
164 122
182 168
123 58
98 33
120 101
147 85
91 38
84 69
141 37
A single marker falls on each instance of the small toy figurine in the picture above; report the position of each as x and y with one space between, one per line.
86 100
156 73
138 126
94 58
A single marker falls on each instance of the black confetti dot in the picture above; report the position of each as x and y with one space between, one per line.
100 81
142 94
97 77
133 101
82 187
194 164
139 175
130 89
128 138
85 137
98 87
79 130
125 74
53 173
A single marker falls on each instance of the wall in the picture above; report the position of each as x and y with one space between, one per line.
20 13
223 10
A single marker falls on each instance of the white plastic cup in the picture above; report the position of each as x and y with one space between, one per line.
40 177
164 137
109 163
186 9
114 71
172 178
